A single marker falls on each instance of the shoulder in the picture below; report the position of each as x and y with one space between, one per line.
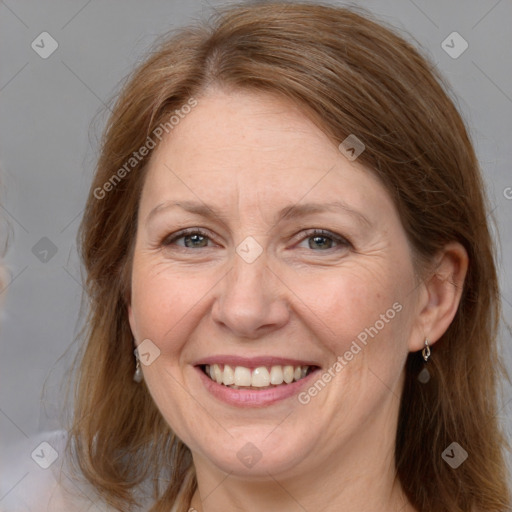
35 477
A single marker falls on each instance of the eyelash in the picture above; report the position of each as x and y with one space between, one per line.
341 241
181 234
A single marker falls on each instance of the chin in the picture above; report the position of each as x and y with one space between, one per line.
244 458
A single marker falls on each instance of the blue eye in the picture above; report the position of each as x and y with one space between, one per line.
193 239
324 240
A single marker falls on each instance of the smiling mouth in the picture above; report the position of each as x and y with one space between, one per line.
262 377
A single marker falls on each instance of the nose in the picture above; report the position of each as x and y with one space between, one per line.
251 300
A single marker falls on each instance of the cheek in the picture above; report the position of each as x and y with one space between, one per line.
165 303
349 302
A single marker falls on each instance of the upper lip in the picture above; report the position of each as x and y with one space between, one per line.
253 362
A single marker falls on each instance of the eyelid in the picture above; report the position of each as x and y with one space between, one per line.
171 238
341 240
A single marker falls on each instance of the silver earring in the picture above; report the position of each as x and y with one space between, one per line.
426 351
137 376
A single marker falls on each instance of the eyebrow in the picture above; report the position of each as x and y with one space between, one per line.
288 212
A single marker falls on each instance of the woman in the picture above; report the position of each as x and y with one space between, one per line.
293 293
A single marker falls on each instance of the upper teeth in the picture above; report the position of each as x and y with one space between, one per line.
258 377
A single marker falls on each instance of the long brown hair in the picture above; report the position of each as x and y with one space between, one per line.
351 75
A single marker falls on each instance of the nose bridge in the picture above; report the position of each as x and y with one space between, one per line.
250 300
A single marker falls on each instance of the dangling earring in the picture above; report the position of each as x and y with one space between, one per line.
426 351
424 375
137 376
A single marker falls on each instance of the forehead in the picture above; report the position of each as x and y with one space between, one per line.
255 150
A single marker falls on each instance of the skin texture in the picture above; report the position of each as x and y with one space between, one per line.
250 155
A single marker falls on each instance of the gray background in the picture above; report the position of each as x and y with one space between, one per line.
48 146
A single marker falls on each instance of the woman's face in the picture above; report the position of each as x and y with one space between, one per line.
258 289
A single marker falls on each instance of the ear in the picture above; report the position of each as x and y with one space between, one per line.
131 320
439 295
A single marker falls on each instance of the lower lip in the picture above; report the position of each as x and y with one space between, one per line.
252 397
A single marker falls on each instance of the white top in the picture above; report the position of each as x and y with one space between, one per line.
35 477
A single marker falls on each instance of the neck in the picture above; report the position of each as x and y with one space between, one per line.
286 496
